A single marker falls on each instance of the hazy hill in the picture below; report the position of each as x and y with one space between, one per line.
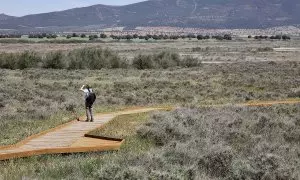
187 13
5 17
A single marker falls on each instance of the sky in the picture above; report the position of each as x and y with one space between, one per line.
25 7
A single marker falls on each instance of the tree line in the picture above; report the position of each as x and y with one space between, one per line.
10 36
171 37
43 35
277 37
143 37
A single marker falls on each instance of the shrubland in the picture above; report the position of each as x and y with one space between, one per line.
187 143
41 90
218 143
93 58
37 95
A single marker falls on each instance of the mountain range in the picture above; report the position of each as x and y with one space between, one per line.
179 13
5 17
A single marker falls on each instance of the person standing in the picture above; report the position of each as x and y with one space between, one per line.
89 98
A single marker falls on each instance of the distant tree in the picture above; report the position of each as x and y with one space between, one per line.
190 36
218 37
135 36
83 36
174 37
207 37
227 37
40 36
69 36
278 37
128 37
96 36
149 36
44 35
74 35
249 36
103 36
200 37
285 37
155 37
91 37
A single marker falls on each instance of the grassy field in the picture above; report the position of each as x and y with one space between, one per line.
207 50
188 143
79 166
35 99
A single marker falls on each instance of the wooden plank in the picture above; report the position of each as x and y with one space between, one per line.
68 138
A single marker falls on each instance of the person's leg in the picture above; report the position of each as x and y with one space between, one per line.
91 114
87 114
87 111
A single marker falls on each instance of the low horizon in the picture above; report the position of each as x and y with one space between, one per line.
20 8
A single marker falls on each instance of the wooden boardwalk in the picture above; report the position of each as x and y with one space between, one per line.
71 137
68 138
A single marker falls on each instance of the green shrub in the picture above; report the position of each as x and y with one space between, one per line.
93 58
8 61
28 60
23 60
54 60
190 62
166 59
163 60
143 62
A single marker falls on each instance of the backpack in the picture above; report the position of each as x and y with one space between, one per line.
91 98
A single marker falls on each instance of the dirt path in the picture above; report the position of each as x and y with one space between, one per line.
290 49
270 103
71 137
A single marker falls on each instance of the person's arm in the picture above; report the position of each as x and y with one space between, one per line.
82 88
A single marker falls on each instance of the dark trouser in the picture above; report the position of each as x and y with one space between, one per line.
89 112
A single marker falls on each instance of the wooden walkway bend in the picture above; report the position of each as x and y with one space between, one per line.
72 137
67 138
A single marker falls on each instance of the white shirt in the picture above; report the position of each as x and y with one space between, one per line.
86 92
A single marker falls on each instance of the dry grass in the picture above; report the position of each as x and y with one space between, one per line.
81 166
222 143
211 50
29 98
122 126
191 143
230 143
